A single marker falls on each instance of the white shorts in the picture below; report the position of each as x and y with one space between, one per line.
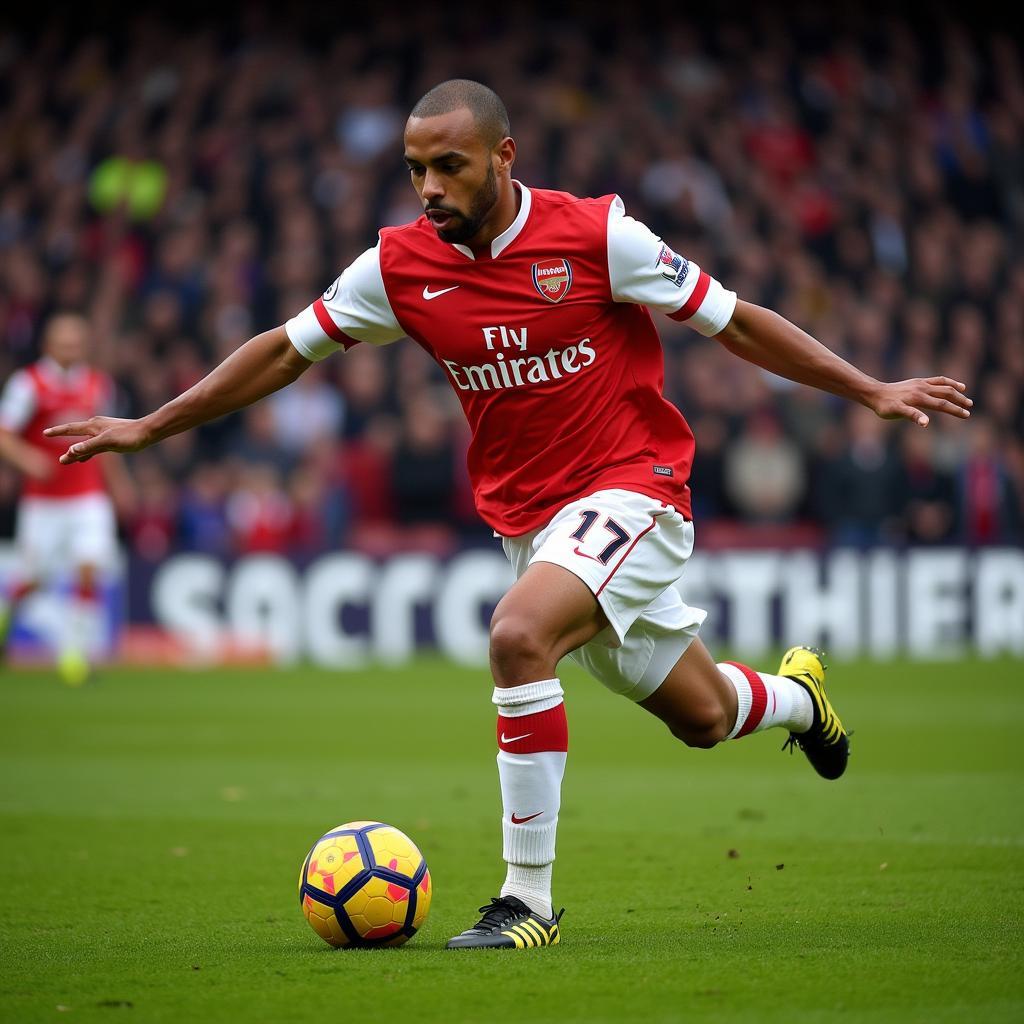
630 550
57 533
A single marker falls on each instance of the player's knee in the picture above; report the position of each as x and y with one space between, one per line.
515 646
702 740
703 727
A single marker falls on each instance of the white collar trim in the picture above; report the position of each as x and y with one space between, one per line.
53 369
512 232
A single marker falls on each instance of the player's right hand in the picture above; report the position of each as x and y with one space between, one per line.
36 465
102 434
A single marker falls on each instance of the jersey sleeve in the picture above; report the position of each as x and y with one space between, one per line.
355 308
644 270
17 402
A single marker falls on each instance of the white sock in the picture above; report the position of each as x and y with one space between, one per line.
533 740
83 626
765 701
532 885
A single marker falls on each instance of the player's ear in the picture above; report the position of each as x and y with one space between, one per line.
504 155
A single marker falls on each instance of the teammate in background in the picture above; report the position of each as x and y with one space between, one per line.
65 518
536 305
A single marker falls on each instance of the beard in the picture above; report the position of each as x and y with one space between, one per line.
467 225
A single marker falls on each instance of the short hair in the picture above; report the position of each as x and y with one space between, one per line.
489 113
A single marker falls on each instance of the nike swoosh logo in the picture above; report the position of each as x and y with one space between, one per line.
428 294
529 817
583 554
512 739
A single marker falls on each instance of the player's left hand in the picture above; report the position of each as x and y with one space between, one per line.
909 399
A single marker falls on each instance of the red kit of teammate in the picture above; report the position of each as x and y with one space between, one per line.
65 519
54 394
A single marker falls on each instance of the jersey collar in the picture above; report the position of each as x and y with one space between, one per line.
52 369
511 233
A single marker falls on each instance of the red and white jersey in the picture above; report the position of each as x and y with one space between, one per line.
548 344
44 394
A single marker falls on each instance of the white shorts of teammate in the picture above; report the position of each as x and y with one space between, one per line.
55 534
630 551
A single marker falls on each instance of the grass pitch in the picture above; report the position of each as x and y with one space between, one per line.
152 827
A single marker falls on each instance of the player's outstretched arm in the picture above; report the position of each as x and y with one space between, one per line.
24 457
261 366
763 337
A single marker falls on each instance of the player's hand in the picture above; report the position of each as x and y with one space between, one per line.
36 465
914 399
102 434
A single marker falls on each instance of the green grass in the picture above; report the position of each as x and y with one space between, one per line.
152 827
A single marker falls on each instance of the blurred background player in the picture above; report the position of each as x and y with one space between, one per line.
65 517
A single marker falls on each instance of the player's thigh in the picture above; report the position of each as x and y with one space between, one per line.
695 697
92 528
649 651
626 547
549 610
40 537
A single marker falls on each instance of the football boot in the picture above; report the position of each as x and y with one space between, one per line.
508 923
826 743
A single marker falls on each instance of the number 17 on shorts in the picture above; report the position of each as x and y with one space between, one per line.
627 547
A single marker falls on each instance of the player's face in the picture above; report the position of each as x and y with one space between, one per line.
455 172
66 340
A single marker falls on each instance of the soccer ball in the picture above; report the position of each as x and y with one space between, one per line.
365 884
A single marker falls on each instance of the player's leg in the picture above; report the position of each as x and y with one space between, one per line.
82 621
91 529
696 701
17 589
704 703
582 580
29 533
661 665
546 613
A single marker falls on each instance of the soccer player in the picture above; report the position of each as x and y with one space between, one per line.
536 305
65 518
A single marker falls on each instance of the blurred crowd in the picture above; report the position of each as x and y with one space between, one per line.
187 186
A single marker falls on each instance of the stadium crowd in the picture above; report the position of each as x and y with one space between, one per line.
188 187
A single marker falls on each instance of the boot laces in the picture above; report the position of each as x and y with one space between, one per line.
497 913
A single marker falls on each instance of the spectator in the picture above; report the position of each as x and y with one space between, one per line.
858 487
202 521
258 512
764 471
927 494
256 440
423 469
152 527
989 510
311 409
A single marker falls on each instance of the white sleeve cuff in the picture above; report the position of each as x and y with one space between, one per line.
355 308
308 337
643 269
709 308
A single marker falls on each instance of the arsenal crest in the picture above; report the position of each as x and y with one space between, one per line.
552 278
